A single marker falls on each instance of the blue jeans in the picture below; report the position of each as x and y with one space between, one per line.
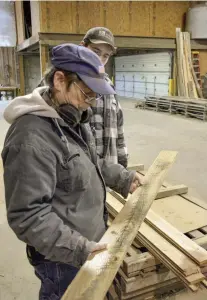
55 278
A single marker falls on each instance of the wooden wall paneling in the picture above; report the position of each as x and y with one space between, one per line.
43 16
133 18
35 16
141 19
203 62
88 9
168 15
117 17
58 17
19 14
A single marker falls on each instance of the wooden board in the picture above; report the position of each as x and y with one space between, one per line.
179 212
171 191
163 192
19 14
190 281
191 249
21 74
167 250
195 200
173 209
35 16
188 197
137 283
95 277
187 35
174 214
139 262
152 290
203 62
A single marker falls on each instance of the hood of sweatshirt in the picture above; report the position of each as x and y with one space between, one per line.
33 103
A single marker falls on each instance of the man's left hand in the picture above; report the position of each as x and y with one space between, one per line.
138 181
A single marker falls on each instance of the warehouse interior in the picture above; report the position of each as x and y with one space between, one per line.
159 72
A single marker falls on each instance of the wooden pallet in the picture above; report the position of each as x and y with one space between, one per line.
185 106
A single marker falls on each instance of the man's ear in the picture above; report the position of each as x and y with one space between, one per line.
59 80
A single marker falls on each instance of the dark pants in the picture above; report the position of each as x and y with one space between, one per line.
55 277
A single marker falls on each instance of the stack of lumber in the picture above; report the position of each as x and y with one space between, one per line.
151 278
173 104
143 273
187 82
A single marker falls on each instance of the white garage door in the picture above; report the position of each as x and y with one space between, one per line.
142 75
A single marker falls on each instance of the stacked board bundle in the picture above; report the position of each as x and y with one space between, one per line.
187 83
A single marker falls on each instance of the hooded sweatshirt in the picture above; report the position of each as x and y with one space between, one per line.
54 185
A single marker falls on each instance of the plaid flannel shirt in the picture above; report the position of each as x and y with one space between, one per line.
107 127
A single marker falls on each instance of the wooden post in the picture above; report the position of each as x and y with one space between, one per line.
95 277
44 58
21 75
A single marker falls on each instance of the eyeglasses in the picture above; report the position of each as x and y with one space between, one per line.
89 100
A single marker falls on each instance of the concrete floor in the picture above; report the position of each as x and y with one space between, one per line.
146 133
149 132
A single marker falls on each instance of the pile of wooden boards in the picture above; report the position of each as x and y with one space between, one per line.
174 104
143 276
173 259
187 83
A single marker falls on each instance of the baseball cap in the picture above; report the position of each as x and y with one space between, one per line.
100 35
85 63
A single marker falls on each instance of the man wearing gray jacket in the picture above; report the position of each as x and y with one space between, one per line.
55 185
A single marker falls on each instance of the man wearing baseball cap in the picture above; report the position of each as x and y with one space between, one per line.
107 120
54 182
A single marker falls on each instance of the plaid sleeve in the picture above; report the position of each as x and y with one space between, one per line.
121 145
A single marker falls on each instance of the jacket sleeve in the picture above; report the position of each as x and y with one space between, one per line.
116 177
121 145
30 181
